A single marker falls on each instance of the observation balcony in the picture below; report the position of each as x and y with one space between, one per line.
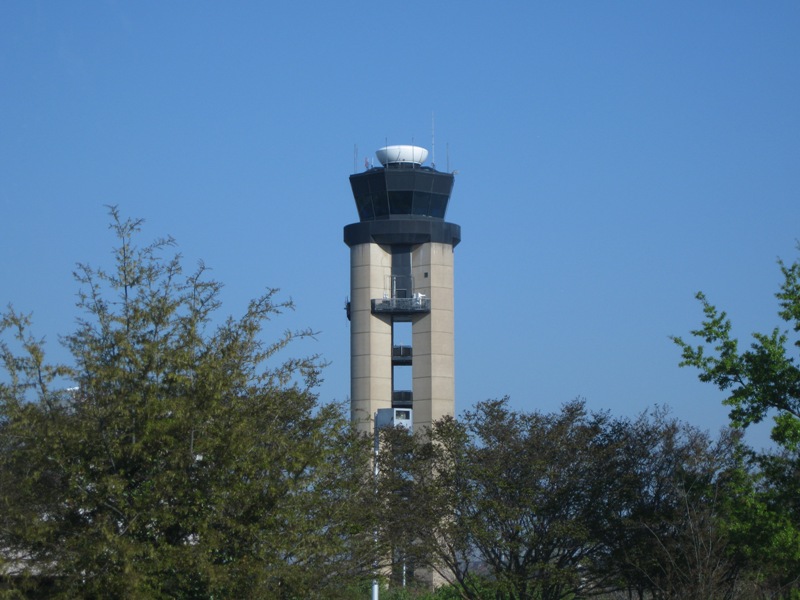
417 304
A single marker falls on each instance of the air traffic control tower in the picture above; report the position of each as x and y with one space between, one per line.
401 272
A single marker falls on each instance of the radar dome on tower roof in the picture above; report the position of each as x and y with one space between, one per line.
402 154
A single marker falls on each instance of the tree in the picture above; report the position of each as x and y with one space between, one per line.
177 457
669 537
507 499
762 381
508 504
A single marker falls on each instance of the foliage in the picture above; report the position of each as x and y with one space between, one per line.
669 537
761 381
764 525
180 462
570 504
507 504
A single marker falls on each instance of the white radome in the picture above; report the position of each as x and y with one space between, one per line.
402 154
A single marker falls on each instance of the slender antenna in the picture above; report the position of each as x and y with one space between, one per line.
448 156
433 141
355 157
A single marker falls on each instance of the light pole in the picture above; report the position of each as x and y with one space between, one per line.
376 438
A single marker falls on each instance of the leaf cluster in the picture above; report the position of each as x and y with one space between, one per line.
562 505
762 380
178 456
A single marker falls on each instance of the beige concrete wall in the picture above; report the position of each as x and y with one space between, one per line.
370 336
433 365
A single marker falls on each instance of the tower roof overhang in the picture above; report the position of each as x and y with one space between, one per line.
402 231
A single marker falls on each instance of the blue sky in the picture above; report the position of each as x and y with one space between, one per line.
613 158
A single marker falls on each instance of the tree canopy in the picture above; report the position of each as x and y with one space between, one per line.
759 382
571 504
762 380
179 455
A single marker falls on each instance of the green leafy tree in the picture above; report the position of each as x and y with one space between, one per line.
761 381
503 502
669 536
179 456
509 504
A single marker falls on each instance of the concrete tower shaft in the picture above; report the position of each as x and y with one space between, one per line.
401 271
433 335
370 335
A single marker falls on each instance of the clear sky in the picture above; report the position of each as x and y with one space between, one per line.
613 159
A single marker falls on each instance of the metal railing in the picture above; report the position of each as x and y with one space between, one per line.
402 351
401 355
417 304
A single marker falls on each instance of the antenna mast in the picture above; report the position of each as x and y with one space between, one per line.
433 141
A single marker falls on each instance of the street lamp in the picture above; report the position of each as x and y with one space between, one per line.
385 417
